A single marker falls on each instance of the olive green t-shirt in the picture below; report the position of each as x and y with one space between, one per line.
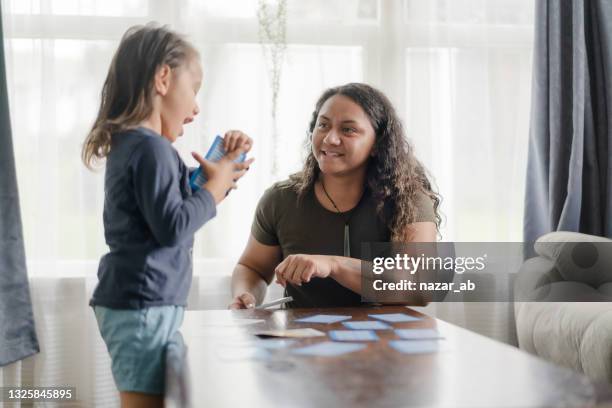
307 227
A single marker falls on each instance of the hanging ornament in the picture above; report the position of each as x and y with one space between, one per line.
273 38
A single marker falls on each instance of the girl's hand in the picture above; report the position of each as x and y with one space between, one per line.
222 175
243 301
297 269
236 139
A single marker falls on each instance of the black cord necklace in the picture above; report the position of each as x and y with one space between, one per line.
347 239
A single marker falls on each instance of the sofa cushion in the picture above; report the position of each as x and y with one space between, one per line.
575 335
578 257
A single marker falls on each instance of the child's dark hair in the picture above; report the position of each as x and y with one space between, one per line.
394 176
127 94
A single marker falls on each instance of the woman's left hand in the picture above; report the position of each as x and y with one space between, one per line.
297 269
237 139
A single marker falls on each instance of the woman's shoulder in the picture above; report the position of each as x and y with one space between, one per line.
281 192
277 201
424 207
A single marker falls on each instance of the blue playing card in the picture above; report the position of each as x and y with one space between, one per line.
394 317
329 348
417 334
353 335
366 325
321 318
415 346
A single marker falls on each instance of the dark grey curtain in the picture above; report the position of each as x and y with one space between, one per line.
569 180
17 331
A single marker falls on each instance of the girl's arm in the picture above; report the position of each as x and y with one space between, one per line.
154 166
172 218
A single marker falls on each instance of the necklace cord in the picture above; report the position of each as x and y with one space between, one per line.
347 233
350 212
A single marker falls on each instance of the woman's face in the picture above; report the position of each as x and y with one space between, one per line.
343 137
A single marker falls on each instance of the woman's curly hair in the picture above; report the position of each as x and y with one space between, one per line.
394 175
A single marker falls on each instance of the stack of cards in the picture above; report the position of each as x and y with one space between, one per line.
215 153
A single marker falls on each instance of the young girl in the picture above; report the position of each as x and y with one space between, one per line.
361 183
150 211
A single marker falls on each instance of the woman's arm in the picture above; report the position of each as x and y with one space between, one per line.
253 274
347 271
297 269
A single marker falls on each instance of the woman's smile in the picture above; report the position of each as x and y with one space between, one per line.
331 154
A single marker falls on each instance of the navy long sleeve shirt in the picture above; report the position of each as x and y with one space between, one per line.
150 217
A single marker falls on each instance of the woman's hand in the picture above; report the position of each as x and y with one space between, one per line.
297 269
243 301
236 139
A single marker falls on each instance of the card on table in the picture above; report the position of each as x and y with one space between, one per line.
418 334
366 325
353 335
416 346
293 333
329 348
322 318
394 317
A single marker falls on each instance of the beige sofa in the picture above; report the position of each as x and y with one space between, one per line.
570 320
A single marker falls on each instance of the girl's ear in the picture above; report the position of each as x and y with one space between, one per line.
162 79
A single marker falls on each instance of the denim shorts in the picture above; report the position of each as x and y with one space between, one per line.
136 340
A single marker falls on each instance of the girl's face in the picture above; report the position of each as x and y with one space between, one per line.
343 137
178 105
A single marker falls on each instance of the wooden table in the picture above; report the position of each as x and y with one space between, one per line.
473 371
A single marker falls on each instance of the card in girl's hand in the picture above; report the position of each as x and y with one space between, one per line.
215 153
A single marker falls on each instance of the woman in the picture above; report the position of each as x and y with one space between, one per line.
360 183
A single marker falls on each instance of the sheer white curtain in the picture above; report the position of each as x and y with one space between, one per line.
458 72
466 97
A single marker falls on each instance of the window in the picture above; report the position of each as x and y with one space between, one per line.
458 72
